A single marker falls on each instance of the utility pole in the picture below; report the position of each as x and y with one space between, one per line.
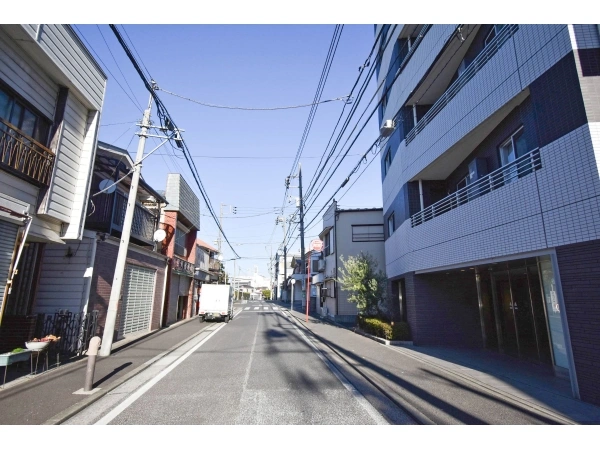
115 292
220 225
301 219
283 220
276 273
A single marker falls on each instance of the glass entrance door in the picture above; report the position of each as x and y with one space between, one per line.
519 309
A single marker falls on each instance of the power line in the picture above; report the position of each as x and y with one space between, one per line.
362 89
210 105
118 67
167 122
107 69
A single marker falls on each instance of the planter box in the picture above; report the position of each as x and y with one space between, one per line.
6 359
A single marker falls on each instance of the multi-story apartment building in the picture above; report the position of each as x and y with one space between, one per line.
181 221
346 232
51 95
491 189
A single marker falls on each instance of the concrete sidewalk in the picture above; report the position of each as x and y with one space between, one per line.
50 395
418 378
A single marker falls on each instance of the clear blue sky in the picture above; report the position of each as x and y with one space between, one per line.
255 66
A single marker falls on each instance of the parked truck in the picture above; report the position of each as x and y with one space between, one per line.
216 302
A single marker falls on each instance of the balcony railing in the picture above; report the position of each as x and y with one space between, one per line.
109 214
24 156
484 56
509 173
214 265
182 267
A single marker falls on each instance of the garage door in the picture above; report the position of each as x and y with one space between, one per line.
138 294
8 236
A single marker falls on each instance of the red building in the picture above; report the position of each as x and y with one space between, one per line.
180 219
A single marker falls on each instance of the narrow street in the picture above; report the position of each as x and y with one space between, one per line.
264 367
258 369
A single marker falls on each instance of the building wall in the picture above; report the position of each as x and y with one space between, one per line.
443 309
104 271
579 267
64 280
556 205
345 248
36 61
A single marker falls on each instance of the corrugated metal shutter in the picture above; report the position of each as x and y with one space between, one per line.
138 294
8 236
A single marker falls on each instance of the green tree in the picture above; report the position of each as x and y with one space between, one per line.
365 284
266 294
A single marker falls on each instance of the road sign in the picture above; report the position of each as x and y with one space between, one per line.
316 245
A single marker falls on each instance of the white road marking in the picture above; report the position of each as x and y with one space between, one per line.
133 397
246 309
362 401
256 307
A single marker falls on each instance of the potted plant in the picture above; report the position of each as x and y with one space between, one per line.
18 354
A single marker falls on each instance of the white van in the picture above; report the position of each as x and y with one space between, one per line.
216 302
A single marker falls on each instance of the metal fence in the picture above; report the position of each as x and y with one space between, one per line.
74 330
25 156
509 173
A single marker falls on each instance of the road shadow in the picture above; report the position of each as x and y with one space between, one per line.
112 374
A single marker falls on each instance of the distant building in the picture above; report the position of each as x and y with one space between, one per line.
346 232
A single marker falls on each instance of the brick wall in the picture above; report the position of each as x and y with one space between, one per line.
443 309
104 271
579 266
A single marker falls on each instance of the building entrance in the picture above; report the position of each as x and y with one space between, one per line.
515 322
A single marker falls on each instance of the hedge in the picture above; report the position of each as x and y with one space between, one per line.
399 331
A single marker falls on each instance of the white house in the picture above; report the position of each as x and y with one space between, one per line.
51 95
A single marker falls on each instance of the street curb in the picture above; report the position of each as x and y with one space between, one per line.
381 340
80 406
417 415
117 346
413 412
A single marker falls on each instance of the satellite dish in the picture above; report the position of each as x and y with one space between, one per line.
160 235
105 183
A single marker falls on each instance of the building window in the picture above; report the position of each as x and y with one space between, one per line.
387 162
391 223
327 244
367 233
180 236
492 34
14 111
510 150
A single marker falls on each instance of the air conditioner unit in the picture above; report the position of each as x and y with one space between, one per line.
387 128
320 265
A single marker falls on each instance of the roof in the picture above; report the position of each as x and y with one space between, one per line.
203 244
108 157
359 209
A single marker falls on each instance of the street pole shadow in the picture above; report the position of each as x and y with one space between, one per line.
110 375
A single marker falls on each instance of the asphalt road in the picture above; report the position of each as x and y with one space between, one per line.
260 368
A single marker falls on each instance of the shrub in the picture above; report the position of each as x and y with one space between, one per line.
399 331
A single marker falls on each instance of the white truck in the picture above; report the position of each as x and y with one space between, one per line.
216 302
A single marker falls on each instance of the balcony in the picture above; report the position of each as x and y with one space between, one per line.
214 265
476 65
182 267
509 173
24 157
108 215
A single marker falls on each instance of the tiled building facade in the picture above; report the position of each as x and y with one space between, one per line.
491 189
